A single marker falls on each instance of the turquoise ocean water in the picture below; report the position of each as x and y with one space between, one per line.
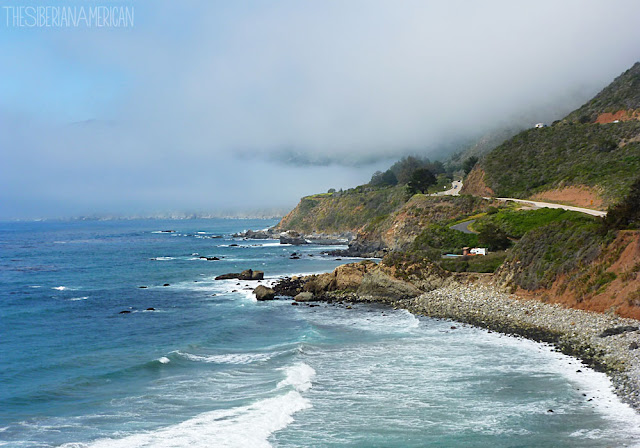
211 367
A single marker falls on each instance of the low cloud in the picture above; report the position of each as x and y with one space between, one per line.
204 106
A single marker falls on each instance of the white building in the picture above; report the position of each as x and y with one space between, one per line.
478 251
540 125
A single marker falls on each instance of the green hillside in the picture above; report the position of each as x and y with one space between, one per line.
586 149
343 211
622 94
602 156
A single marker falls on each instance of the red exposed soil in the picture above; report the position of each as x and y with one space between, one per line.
621 115
474 184
578 196
621 295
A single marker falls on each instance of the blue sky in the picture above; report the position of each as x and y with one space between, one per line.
211 106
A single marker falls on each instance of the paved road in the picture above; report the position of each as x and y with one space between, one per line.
551 205
456 186
464 226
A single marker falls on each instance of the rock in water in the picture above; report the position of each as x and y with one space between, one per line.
227 276
246 275
264 293
304 297
292 237
257 275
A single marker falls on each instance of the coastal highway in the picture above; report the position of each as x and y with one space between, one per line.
456 186
537 204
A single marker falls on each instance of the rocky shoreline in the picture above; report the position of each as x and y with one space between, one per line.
605 342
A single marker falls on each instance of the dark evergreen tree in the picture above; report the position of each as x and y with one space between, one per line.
421 180
493 237
386 179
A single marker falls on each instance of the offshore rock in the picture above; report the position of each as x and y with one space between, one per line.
264 293
247 274
292 237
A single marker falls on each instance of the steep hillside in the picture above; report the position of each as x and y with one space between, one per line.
572 265
399 229
605 158
620 100
342 212
586 159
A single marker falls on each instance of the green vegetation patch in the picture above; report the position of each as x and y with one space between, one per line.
343 210
557 248
445 239
515 223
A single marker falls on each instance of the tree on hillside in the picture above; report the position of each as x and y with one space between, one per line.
386 179
421 180
468 164
404 168
626 214
493 237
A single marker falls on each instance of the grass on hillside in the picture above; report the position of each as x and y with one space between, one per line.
343 211
557 248
515 223
569 154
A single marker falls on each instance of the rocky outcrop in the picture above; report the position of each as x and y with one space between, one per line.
264 293
248 274
381 285
289 287
365 278
255 234
361 247
292 237
304 297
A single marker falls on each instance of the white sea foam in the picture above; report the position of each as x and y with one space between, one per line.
596 385
35 286
59 288
299 376
228 358
163 360
75 299
243 426
162 258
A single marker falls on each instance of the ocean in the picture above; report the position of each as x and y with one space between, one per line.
200 363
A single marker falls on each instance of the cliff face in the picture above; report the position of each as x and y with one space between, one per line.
342 212
610 283
474 184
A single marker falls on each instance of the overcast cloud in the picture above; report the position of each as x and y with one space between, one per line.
206 106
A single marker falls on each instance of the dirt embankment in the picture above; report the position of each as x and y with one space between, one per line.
611 284
578 196
621 115
475 184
